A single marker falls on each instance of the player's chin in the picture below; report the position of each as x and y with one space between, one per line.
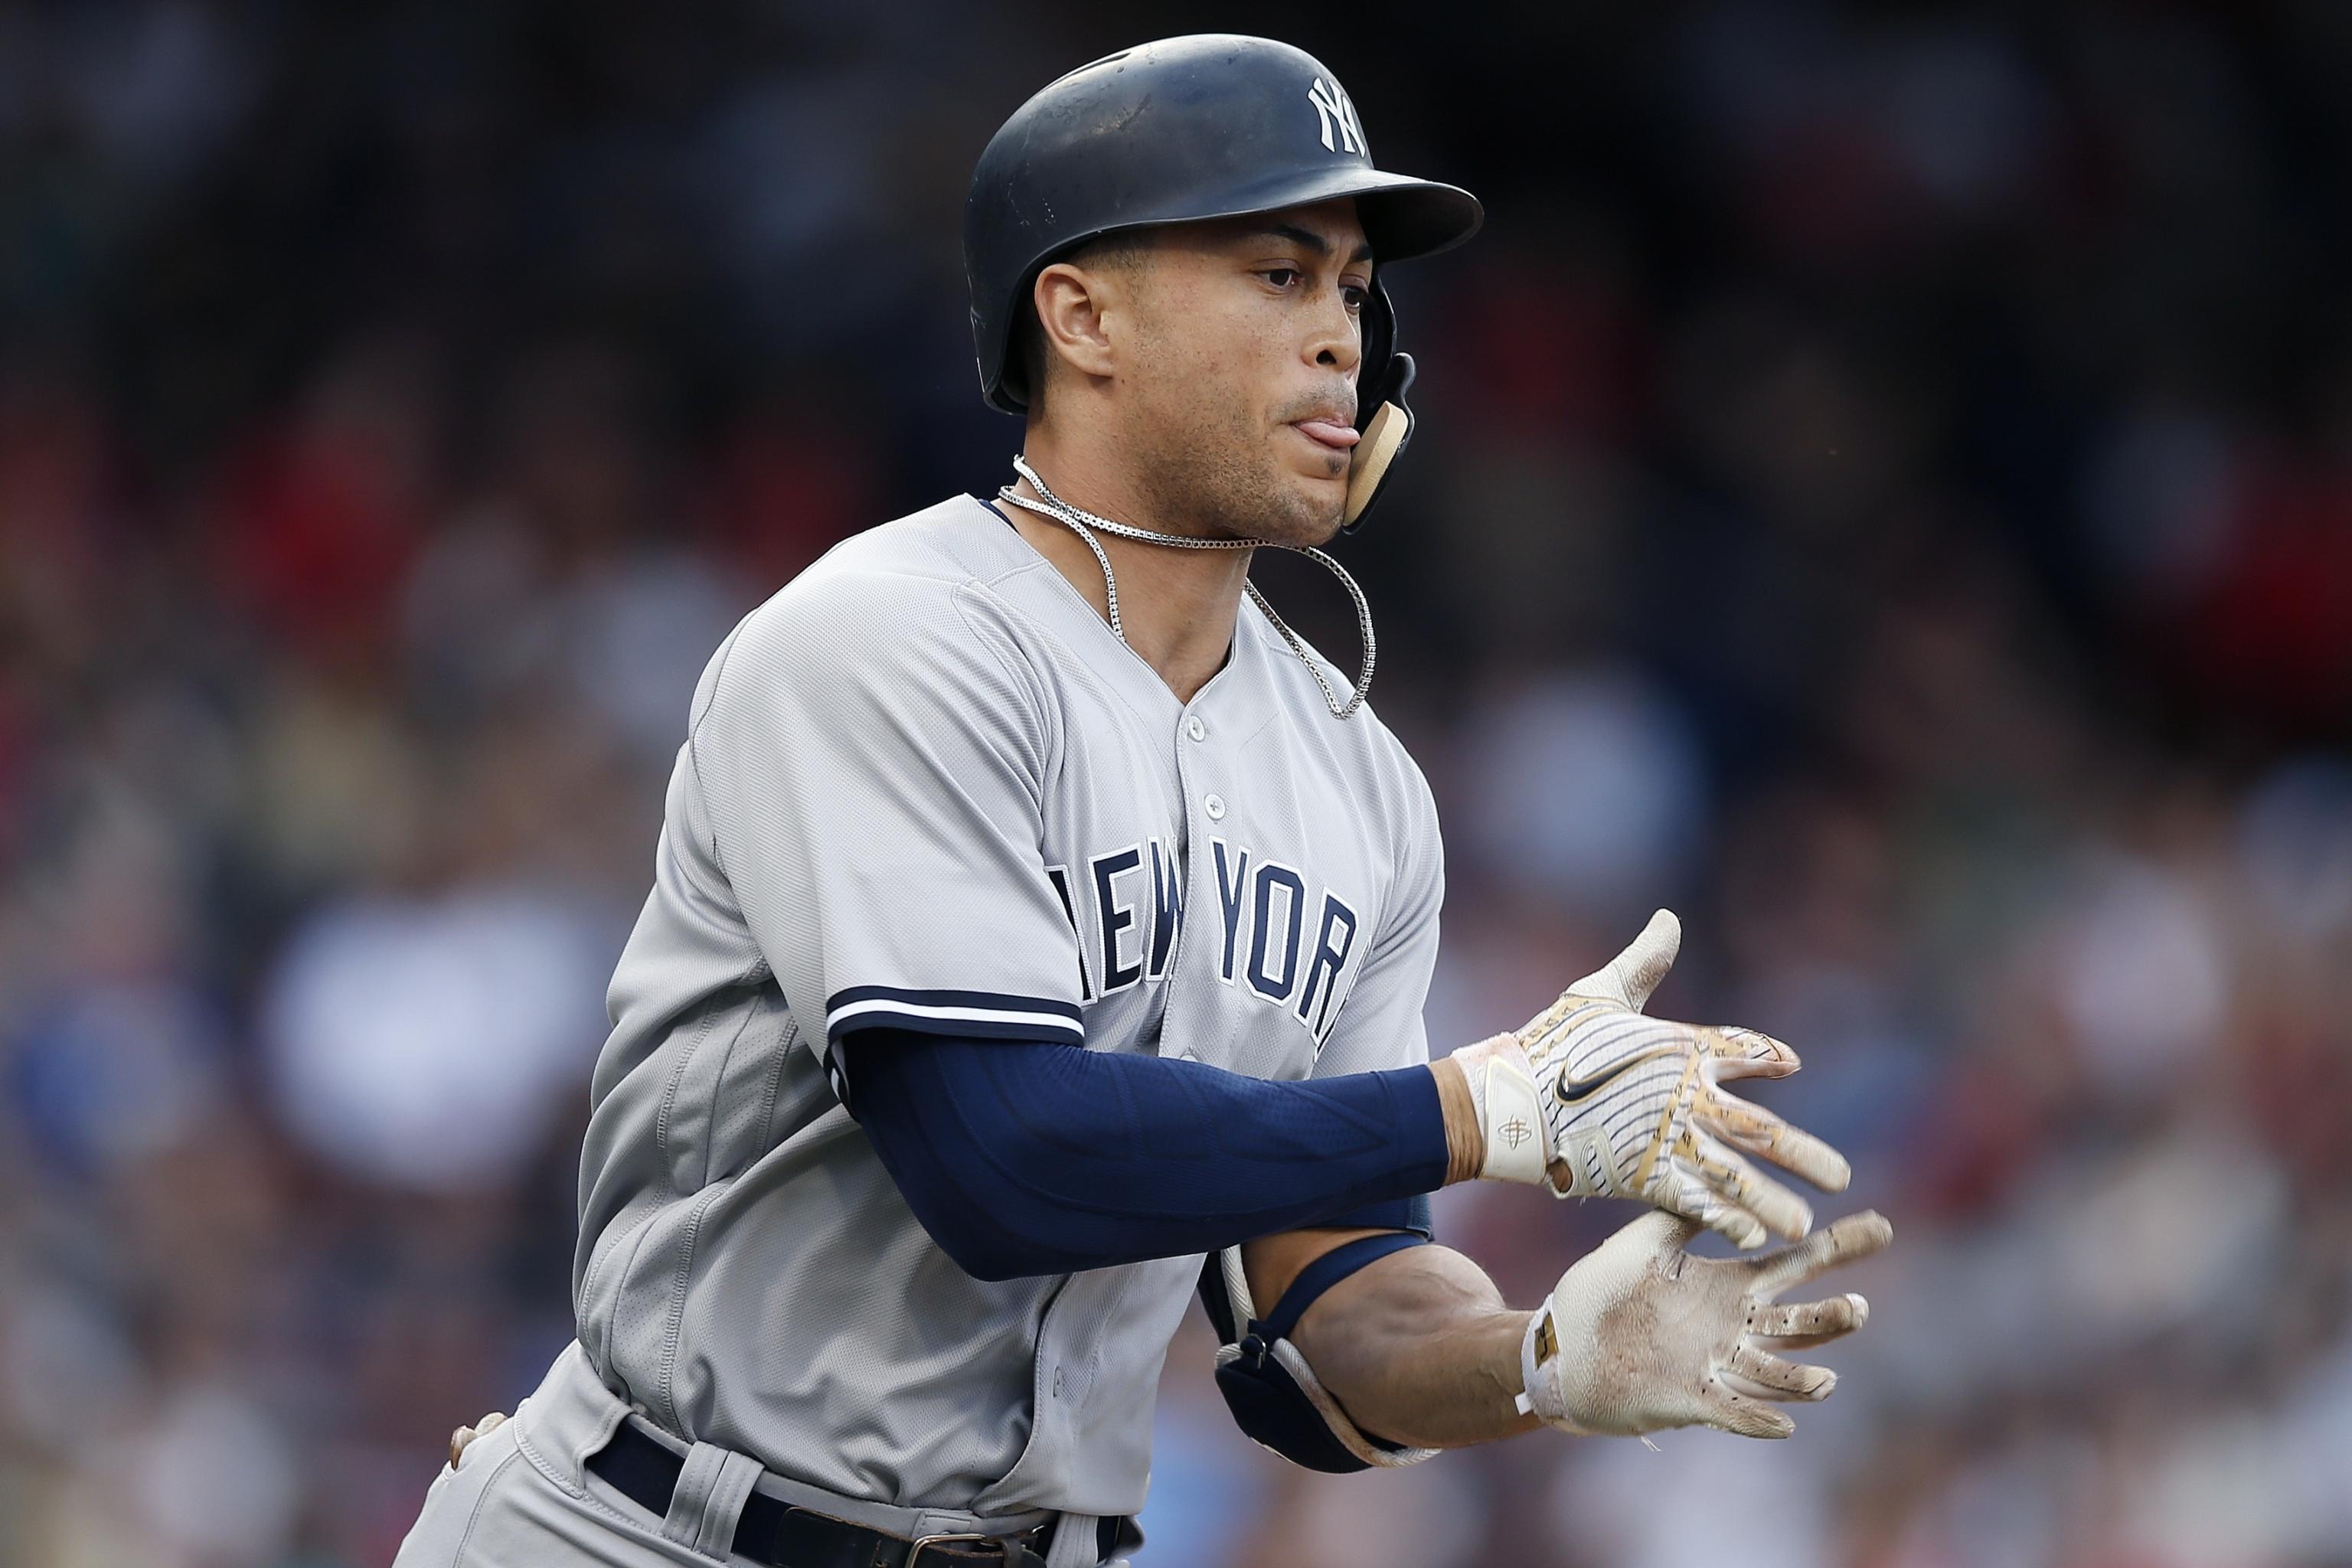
1309 515
1314 498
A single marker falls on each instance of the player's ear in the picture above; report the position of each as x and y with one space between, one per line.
1075 305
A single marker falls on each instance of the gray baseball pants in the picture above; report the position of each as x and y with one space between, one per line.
522 1497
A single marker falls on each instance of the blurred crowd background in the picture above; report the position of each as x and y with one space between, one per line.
1884 490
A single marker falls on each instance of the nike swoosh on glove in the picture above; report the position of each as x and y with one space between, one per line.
1593 1098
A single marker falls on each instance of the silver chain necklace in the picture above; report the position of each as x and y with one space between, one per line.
1084 523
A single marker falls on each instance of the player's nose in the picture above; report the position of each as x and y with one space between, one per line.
1335 341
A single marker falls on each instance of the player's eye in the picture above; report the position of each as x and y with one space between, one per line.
1281 277
1355 294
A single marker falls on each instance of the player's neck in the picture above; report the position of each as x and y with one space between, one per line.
1178 607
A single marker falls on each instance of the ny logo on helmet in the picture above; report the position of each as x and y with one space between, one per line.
1333 108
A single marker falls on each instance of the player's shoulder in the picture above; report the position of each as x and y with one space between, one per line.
912 581
905 602
959 540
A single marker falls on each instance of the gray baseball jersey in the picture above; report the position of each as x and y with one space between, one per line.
925 785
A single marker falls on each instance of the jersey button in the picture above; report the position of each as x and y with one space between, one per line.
1194 728
1215 807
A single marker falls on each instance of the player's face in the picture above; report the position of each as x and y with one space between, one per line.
1243 384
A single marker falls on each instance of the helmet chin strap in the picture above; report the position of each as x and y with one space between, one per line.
1085 524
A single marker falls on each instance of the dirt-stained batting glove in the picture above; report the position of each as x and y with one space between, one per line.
1641 1335
1592 1098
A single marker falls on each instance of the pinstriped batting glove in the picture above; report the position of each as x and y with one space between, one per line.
1593 1100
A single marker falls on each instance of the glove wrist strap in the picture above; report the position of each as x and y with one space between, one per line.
1539 1376
1510 1114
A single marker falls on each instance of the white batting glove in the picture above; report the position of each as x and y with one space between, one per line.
1592 1098
1641 1335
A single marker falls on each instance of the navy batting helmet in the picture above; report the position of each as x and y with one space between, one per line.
1210 126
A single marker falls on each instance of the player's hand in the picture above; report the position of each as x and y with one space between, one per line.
1642 1335
1593 1100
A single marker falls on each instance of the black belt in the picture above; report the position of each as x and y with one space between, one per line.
783 1536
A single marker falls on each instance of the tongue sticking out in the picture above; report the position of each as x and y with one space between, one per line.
1331 433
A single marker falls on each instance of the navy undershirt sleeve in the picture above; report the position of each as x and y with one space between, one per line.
1032 1157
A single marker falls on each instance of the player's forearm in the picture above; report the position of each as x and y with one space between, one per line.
1419 1349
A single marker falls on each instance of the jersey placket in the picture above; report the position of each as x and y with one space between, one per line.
1194 767
1209 740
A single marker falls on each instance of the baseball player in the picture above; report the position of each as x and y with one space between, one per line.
1039 933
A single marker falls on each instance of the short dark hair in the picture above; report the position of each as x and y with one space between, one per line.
1026 373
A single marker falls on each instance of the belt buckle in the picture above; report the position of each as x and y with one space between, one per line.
922 1540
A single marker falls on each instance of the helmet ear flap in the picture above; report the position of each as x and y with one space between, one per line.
1381 413
1375 366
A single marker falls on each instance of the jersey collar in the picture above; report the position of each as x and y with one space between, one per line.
1236 702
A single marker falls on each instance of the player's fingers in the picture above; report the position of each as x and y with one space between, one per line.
1743 1415
1746 1125
1711 1209
1842 1240
1802 1325
1661 1233
1746 1053
1633 974
1738 1183
1643 966
1776 1377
